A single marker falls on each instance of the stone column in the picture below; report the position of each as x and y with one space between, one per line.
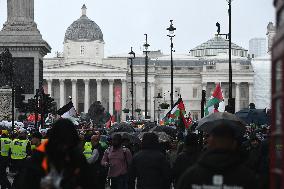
99 90
123 97
250 92
62 92
138 94
74 92
49 87
87 96
204 85
152 100
237 100
110 104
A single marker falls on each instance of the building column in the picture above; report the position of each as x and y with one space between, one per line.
138 94
49 87
62 92
99 90
123 97
87 96
152 100
110 104
74 92
237 100
204 85
250 92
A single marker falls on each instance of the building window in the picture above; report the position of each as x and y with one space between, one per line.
194 93
82 50
194 115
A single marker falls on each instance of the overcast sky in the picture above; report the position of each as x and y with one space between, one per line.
124 22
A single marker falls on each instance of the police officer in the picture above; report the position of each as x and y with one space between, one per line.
20 149
4 160
88 150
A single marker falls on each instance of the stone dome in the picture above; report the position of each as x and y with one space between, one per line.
215 46
83 29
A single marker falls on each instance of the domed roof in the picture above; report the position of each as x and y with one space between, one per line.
217 43
215 46
83 29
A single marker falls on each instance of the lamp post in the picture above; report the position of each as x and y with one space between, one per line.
171 30
131 57
146 46
157 97
231 100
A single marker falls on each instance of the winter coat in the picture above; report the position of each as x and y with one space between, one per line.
79 174
151 169
218 168
184 160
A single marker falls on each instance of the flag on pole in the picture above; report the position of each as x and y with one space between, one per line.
177 113
213 104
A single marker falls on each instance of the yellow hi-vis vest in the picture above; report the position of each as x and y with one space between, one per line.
88 149
5 146
19 149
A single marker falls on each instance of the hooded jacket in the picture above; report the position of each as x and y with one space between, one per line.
218 169
151 169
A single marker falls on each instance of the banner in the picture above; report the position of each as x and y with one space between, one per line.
117 98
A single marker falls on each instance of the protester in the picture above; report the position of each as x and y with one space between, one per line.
95 161
36 140
4 160
149 166
59 162
117 159
220 165
189 155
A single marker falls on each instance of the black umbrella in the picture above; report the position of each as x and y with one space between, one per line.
121 128
210 122
256 116
132 138
163 137
167 129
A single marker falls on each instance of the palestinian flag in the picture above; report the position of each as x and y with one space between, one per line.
177 113
215 100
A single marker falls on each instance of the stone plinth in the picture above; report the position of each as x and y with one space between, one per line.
5 103
22 37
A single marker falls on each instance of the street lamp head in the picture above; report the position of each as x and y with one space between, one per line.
171 29
131 54
146 45
159 96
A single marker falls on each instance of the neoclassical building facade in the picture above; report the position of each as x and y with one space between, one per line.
83 72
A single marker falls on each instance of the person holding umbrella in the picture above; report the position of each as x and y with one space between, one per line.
221 165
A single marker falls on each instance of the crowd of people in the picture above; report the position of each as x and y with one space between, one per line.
66 158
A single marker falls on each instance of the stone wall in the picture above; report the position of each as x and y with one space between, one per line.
5 103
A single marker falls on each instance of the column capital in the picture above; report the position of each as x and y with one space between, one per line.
74 80
99 80
237 83
86 81
250 83
111 81
61 80
123 80
49 80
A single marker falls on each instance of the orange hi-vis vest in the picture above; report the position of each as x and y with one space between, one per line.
42 148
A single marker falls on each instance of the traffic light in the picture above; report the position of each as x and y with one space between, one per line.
32 105
47 103
19 97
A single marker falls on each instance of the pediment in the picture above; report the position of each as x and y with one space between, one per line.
83 67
